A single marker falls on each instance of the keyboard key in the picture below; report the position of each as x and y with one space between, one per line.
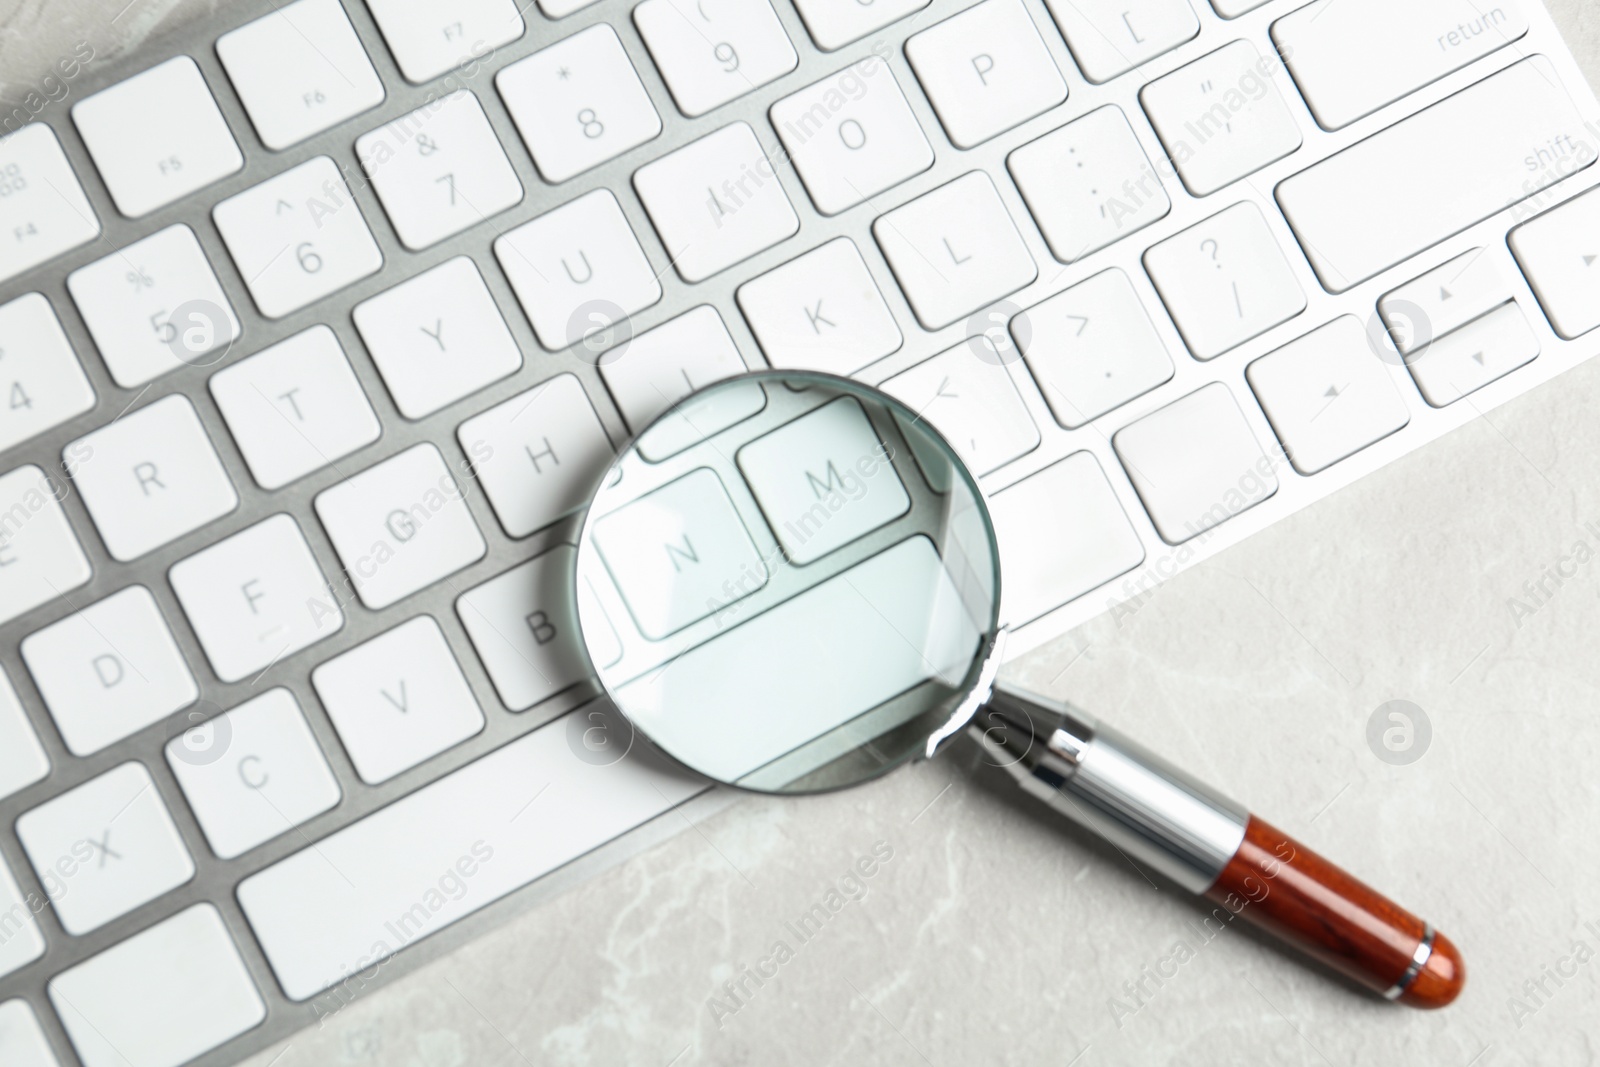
985 71
666 364
835 23
971 400
297 237
538 455
693 423
294 407
150 477
881 628
253 773
1444 299
557 9
1062 533
39 555
715 202
1092 348
22 944
577 270
41 382
22 1042
398 700
109 670
1350 59
869 140
954 250
437 338
678 553
831 452
1475 355
299 71
43 211
1225 281
256 598
329 911
1222 117
1232 9
524 626
157 136
1558 251
104 848
1112 37
711 53
439 170
160 998
22 758
1196 463
1089 184
821 311
400 526
1356 215
428 41
578 103
1327 395
155 306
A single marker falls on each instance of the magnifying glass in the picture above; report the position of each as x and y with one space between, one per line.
790 583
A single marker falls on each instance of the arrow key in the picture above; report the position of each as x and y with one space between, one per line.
1473 356
1327 395
1560 253
1444 299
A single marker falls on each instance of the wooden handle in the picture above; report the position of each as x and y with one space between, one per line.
1284 887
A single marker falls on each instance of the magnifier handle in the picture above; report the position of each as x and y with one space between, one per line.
1154 813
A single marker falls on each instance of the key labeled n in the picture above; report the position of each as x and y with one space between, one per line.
685 554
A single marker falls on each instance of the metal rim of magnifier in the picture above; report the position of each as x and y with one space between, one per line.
985 658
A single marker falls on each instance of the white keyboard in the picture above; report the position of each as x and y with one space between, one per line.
317 327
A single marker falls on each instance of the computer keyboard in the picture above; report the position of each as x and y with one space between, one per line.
318 323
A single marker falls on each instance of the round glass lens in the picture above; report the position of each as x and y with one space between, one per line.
788 582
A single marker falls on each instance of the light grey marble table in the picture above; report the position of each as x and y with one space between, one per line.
996 934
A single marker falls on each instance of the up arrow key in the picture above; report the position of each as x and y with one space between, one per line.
282 206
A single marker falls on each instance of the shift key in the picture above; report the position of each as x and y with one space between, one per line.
1423 180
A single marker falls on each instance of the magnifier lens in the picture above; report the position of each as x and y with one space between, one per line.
788 582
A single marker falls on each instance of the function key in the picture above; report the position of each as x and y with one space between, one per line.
157 137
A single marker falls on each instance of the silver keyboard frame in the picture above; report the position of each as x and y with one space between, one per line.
215 879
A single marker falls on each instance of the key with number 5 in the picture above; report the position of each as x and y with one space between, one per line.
297 237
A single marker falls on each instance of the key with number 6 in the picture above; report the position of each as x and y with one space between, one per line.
297 237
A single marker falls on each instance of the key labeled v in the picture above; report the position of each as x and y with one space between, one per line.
403 704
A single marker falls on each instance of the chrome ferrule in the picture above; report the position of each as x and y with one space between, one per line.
1147 809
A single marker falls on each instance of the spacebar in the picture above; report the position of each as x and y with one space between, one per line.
339 907
1427 178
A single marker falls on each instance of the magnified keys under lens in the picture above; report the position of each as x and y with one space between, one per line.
790 583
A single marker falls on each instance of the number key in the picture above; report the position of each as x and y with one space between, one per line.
439 170
41 383
154 306
578 103
297 237
714 51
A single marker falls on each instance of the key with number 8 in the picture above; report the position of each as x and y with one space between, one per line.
578 103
